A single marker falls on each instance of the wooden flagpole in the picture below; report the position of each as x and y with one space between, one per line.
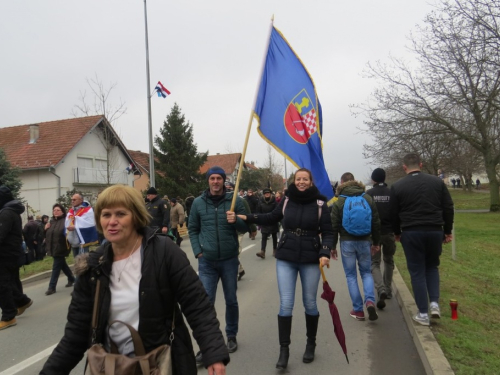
242 161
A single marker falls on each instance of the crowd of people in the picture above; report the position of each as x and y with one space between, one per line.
120 255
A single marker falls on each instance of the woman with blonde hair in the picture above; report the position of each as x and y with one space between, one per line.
146 281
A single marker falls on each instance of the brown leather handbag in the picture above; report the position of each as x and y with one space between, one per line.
100 362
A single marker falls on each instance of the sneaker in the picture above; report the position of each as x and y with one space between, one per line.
232 344
49 292
358 315
22 309
389 296
372 311
70 284
422 319
381 300
435 311
241 274
7 323
199 359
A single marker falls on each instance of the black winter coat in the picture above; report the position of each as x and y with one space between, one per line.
266 206
253 202
11 231
159 211
168 280
55 238
384 200
301 212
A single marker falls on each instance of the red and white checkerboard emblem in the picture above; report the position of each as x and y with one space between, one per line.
300 118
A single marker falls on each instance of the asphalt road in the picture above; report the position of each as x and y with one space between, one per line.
381 347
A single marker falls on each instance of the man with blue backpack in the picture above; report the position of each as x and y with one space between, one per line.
355 219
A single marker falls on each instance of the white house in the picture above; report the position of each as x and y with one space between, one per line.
58 156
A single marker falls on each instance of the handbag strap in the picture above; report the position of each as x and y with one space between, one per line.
95 311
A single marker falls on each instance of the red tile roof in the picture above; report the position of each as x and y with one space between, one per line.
251 166
56 139
227 162
141 160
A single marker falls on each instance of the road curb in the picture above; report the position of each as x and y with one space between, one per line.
431 354
40 276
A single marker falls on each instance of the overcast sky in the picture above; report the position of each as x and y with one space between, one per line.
207 53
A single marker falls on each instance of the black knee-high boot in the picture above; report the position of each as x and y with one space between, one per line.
284 329
312 329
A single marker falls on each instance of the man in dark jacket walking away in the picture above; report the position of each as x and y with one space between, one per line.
423 223
213 231
356 246
12 300
159 211
381 195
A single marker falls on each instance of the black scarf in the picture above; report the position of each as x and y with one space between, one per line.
309 195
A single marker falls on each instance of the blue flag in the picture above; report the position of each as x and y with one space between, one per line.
289 112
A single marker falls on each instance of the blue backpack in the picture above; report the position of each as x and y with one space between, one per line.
357 216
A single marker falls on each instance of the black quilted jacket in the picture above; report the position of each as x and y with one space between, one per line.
168 280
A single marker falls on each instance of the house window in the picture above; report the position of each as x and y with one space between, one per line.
85 162
100 164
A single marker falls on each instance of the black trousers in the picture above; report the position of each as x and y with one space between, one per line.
11 290
264 240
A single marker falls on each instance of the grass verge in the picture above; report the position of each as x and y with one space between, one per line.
473 200
471 343
40 266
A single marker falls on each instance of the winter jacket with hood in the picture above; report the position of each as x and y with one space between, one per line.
352 189
209 231
55 238
301 213
168 281
11 227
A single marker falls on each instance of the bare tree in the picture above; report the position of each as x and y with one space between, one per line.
455 85
101 105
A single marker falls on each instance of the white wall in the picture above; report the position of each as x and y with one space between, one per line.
40 187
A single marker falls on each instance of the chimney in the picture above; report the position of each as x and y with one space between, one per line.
34 133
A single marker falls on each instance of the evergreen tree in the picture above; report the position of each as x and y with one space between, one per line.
10 176
178 159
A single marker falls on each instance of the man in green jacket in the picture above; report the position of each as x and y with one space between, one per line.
213 232
355 218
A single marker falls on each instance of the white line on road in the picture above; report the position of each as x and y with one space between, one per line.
28 362
242 250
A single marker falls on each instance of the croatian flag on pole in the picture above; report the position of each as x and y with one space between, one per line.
161 90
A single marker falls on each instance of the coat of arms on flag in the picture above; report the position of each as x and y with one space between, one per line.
300 118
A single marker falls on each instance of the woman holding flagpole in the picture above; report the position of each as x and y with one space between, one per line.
305 218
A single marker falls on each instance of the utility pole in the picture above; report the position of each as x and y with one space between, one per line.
150 126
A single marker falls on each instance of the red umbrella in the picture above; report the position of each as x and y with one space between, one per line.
329 295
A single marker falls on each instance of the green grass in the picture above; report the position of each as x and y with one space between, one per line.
40 266
471 343
473 200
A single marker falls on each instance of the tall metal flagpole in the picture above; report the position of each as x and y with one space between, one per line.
150 126
236 188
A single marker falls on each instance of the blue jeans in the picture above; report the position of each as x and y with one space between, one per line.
58 266
287 279
359 251
422 250
210 271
